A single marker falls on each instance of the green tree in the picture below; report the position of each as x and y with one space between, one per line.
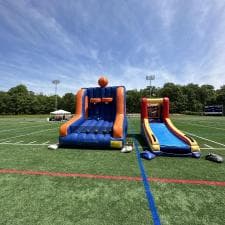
133 101
18 100
176 96
170 90
192 91
220 99
67 102
4 98
207 94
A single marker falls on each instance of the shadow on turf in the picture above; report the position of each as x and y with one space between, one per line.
139 138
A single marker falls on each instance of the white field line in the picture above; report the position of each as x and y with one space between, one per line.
32 142
208 146
46 142
206 139
18 142
28 144
196 124
33 121
23 135
215 123
19 128
19 121
22 144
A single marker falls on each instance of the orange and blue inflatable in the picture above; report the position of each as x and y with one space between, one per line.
100 120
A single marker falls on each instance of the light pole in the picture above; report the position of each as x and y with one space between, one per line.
56 82
150 78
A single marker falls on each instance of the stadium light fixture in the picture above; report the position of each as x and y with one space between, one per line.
56 82
150 78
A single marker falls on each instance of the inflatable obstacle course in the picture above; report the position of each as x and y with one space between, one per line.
100 120
160 133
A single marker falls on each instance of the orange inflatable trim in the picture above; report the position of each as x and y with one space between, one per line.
118 124
77 116
107 100
95 100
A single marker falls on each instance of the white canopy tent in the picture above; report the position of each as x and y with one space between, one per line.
59 115
60 112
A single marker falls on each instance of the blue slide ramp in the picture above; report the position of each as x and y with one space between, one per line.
168 141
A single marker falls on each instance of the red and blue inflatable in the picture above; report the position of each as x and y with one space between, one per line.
159 132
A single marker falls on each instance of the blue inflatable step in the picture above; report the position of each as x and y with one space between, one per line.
94 126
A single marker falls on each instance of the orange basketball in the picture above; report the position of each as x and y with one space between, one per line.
102 81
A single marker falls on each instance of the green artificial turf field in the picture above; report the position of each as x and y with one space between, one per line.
35 199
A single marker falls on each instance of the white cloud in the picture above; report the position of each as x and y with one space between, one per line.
179 42
166 11
210 68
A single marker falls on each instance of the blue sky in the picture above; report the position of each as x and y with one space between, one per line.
76 41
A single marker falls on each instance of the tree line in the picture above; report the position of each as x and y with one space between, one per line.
189 99
19 100
183 99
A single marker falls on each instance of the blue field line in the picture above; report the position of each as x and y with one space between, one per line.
149 195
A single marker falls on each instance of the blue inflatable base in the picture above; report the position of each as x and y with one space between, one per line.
147 155
192 154
196 154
